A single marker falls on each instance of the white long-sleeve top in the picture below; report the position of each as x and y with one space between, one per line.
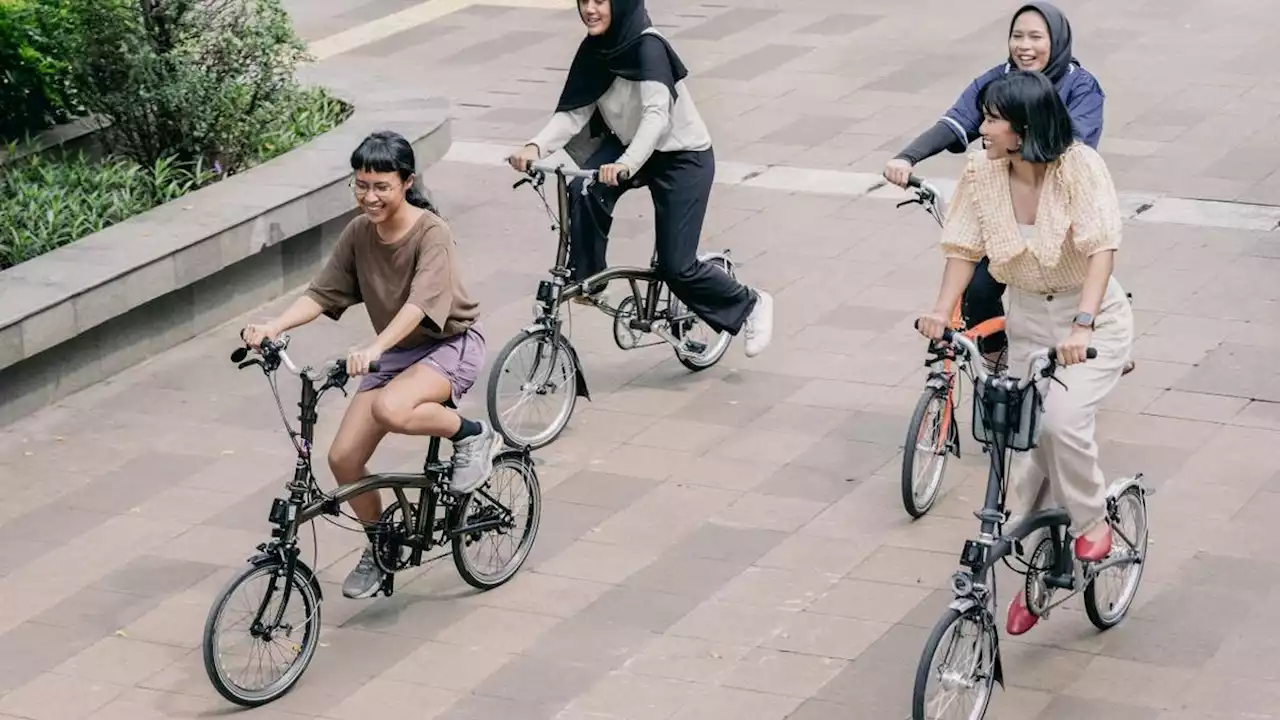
643 117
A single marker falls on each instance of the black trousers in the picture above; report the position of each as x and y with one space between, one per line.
981 302
680 183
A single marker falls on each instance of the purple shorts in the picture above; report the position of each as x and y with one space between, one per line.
458 358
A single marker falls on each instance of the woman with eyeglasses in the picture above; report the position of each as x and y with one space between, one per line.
399 259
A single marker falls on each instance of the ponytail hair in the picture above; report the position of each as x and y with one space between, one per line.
384 152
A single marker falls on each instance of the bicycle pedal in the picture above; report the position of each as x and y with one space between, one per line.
388 587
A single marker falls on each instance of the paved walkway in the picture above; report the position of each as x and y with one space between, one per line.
727 544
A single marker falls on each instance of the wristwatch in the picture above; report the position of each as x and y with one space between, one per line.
1083 319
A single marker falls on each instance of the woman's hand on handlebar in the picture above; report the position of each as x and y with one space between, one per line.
253 335
524 158
613 174
897 171
932 325
362 361
1075 348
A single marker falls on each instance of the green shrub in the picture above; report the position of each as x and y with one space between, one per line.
48 201
191 79
47 204
37 42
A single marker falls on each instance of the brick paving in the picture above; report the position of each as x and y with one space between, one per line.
728 544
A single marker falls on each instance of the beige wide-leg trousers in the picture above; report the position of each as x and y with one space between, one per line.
1062 471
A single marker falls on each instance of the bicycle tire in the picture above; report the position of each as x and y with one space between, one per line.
553 429
723 339
300 585
1104 620
921 686
523 467
915 508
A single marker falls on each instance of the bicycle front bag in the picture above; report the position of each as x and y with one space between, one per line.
1025 409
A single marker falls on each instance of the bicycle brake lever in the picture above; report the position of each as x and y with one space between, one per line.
247 363
522 181
912 201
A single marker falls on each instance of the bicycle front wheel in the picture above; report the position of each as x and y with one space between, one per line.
261 633
925 452
958 664
533 388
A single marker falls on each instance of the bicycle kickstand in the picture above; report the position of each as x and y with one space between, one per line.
388 584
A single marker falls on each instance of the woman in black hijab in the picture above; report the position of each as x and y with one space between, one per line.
1040 41
626 96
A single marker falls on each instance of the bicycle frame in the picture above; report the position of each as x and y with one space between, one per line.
554 292
944 377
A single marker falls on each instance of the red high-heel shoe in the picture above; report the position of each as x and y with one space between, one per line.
1093 550
1020 618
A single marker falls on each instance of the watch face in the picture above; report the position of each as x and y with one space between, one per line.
1084 319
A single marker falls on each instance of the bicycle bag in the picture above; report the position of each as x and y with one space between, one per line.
1023 432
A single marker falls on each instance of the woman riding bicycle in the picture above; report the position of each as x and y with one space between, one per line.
1039 40
1042 208
398 258
626 90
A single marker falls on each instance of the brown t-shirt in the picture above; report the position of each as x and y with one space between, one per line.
419 268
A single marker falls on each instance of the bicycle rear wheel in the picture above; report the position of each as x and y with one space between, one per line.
960 657
705 346
240 641
533 388
925 452
1109 595
490 557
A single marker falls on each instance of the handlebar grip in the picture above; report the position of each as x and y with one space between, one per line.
1089 354
914 181
948 334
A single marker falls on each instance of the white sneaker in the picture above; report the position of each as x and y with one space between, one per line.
758 330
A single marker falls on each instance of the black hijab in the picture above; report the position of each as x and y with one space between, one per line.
1060 57
625 50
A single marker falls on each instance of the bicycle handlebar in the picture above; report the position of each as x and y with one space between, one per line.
1041 362
538 171
273 353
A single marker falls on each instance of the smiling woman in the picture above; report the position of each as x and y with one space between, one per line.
1039 41
398 259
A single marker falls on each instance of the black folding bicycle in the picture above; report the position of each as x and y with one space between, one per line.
263 629
961 658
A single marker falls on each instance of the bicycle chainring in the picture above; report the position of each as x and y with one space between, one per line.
389 551
1039 595
624 336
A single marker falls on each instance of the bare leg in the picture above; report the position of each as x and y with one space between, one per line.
411 404
358 436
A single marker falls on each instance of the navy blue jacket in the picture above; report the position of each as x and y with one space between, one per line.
1079 91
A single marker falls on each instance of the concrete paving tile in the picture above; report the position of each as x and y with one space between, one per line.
58 697
785 673
688 659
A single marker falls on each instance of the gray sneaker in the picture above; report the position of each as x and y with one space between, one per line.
365 579
472 460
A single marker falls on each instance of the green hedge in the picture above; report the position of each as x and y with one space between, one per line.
48 202
194 91
37 44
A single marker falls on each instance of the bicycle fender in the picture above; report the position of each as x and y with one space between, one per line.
1121 484
580 379
964 605
262 559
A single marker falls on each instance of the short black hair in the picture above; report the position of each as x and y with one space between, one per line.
386 152
1029 101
